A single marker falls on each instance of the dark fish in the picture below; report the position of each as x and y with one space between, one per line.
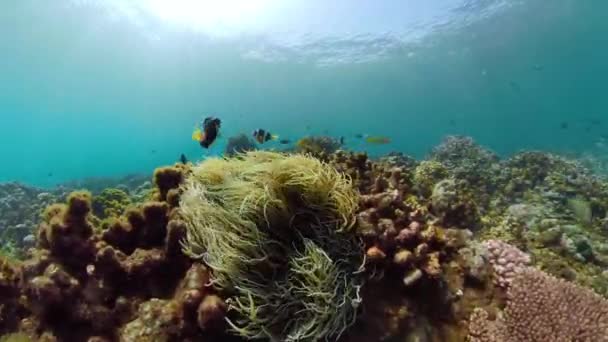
262 136
515 86
588 129
183 159
50 174
285 141
359 136
595 122
341 140
564 125
210 131
153 151
452 122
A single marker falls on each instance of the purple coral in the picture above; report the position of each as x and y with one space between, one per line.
506 260
541 307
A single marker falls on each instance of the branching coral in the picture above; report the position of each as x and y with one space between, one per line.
274 231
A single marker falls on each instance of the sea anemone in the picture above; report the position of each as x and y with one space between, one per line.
276 232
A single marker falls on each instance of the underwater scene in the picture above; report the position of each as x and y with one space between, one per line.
304 170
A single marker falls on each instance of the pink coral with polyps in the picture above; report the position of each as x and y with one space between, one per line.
506 260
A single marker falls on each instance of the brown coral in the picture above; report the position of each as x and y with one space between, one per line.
84 283
167 178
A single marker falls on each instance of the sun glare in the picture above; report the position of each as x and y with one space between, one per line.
208 15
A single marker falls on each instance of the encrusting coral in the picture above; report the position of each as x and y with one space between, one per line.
543 308
274 229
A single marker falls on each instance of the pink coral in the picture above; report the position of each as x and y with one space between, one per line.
506 260
541 307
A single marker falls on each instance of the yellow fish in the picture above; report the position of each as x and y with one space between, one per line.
377 140
197 135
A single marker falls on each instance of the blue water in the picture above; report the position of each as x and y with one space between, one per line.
103 88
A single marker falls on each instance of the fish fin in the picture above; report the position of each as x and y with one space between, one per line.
274 137
197 135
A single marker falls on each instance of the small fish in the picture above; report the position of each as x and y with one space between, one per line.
452 122
538 67
183 159
153 151
341 140
377 140
284 141
359 136
515 86
262 136
50 174
564 125
307 127
210 132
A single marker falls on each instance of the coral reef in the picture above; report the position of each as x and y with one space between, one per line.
131 183
239 143
274 231
96 283
468 162
20 209
319 146
543 308
332 245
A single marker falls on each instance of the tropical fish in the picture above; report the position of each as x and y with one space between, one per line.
341 140
284 141
262 136
377 140
183 159
210 132
359 136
